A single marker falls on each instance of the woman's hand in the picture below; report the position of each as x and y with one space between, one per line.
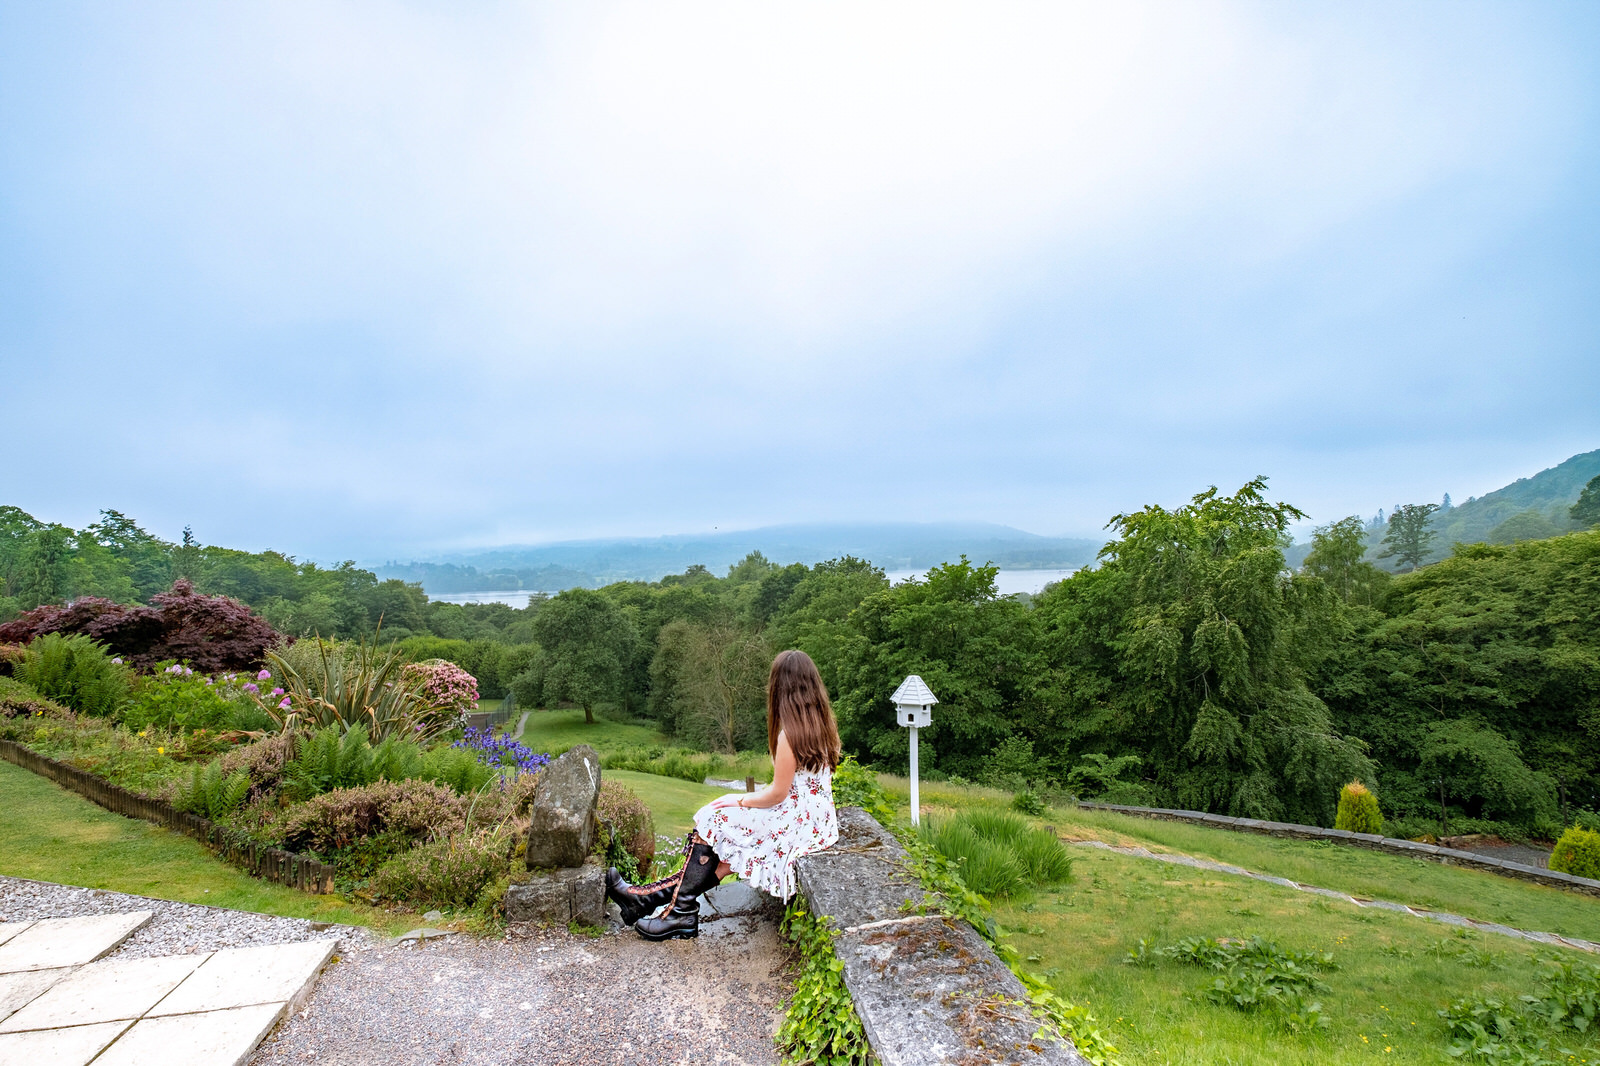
728 801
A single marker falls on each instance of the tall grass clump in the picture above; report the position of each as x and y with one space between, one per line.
998 853
77 671
349 684
1358 810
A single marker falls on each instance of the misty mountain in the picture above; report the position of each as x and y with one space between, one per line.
890 545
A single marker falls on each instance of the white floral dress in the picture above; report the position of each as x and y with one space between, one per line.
762 844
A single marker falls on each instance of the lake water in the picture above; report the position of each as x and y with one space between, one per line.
1008 582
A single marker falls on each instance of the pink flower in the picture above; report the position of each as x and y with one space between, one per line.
277 692
265 675
250 686
284 706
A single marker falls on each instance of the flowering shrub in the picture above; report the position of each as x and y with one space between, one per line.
502 750
211 633
179 698
444 684
628 826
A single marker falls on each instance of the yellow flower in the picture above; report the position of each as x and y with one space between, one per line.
163 751
145 733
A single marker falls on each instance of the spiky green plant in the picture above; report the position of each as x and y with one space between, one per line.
346 687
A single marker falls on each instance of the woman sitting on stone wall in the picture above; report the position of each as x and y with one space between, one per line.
758 836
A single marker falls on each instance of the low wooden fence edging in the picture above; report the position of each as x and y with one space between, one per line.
271 864
1392 845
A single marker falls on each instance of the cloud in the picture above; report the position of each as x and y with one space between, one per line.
448 275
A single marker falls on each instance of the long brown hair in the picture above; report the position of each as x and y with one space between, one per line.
797 704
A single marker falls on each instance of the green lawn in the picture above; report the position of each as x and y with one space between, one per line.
671 801
55 835
1393 972
1367 874
556 731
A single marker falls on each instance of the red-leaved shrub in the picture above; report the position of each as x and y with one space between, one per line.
210 633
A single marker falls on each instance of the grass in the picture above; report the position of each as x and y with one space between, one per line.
556 731
1393 972
55 835
672 802
1365 874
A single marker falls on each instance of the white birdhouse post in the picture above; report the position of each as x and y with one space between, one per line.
913 708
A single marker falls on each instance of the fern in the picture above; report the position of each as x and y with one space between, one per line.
211 795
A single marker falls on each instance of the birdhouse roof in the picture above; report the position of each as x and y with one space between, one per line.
913 691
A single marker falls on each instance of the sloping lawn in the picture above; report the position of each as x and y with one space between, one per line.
556 731
1393 972
55 835
672 801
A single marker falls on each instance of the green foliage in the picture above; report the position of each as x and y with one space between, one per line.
1100 777
333 759
629 830
684 764
1028 802
1337 558
709 684
345 685
856 786
996 853
820 1026
178 700
210 794
1254 974
1520 1030
76 671
1358 810
401 812
1577 853
1474 761
1586 512
1189 647
1409 540
588 642
450 872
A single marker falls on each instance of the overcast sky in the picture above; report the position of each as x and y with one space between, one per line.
365 279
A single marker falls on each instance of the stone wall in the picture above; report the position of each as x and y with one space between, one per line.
1392 845
928 988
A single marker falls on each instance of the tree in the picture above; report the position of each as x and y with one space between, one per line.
709 683
1337 557
1469 761
1409 540
587 640
1586 512
1188 647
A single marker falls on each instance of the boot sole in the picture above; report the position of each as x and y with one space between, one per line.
675 934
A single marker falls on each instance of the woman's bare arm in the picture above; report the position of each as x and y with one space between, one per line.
783 768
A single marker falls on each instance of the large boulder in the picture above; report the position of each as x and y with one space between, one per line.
560 896
564 825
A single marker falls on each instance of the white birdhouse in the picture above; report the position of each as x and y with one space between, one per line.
913 703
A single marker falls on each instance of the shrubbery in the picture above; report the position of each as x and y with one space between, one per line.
1358 810
997 852
346 685
1577 853
629 828
329 759
212 794
179 698
452 871
76 671
408 810
210 633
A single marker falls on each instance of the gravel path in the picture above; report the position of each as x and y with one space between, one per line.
551 999
176 929
547 999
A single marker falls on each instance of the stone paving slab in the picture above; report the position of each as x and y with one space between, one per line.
60 1047
242 977
11 929
56 942
216 1038
112 990
17 990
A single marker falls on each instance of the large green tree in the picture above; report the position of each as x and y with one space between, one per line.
1337 557
1409 539
1188 645
1586 512
588 642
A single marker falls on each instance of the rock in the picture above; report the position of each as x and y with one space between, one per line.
433 916
564 827
733 898
419 935
560 896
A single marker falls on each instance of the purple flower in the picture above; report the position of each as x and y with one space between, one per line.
250 686
208 681
187 671
277 692
284 706
265 675
118 661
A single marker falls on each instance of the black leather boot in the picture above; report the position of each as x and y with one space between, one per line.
683 920
636 901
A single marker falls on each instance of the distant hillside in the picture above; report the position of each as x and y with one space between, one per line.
1530 508
892 546
1527 509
